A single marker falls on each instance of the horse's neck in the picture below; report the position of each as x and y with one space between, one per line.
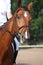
5 39
9 25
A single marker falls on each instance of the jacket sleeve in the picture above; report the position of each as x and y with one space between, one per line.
8 4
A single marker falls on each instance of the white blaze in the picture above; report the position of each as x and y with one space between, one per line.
26 35
25 14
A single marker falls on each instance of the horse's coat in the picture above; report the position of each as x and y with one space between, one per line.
17 21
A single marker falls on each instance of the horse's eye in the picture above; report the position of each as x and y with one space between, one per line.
18 16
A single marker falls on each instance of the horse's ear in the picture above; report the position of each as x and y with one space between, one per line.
19 3
30 6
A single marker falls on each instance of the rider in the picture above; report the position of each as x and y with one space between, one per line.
5 13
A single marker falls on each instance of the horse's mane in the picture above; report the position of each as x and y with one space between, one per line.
25 8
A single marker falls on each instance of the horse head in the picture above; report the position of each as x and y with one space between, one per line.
22 18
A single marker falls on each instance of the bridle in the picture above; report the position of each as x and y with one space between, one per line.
15 33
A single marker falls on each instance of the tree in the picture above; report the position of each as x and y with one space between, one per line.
36 25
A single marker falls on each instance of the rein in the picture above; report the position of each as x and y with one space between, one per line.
12 33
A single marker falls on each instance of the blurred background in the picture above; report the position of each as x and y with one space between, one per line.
36 24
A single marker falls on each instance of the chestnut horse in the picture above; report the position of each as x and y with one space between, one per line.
16 24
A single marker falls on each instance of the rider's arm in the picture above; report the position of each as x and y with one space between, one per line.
9 14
